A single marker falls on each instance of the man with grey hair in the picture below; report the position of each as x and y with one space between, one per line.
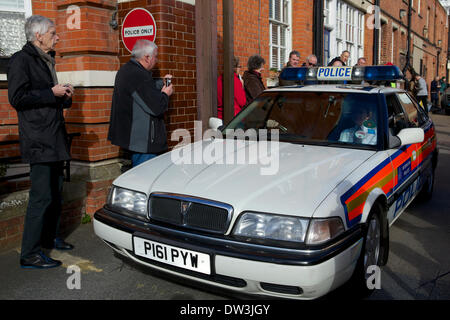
362 61
311 61
139 104
39 100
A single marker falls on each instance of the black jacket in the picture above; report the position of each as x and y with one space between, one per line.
334 60
137 112
42 132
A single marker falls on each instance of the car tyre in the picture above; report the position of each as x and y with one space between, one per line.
427 190
372 253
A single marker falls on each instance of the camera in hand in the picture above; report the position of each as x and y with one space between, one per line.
167 81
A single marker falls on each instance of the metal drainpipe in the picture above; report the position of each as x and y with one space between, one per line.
408 39
376 37
318 30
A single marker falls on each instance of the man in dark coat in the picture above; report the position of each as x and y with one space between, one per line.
34 92
138 106
343 58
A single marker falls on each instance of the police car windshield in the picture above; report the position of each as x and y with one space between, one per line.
323 118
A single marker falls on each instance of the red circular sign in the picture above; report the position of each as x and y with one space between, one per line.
138 24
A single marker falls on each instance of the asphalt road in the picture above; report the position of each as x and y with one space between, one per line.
418 266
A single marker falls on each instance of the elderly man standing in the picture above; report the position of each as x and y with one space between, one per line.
39 100
138 106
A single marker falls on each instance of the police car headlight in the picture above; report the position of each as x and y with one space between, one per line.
322 230
273 227
128 200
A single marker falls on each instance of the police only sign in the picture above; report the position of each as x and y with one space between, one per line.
138 24
334 73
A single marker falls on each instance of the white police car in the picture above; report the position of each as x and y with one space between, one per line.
296 204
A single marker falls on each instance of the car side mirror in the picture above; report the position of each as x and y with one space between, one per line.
410 136
215 123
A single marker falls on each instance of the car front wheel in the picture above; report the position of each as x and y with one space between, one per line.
370 257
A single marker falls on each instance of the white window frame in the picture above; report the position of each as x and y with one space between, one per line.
285 23
27 9
348 33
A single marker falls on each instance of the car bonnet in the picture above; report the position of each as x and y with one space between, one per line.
296 182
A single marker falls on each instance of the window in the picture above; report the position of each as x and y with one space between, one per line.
12 19
349 31
416 118
314 117
279 24
327 12
396 117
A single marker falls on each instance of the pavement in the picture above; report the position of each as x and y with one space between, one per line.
103 275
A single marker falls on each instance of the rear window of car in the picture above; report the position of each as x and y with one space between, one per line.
347 119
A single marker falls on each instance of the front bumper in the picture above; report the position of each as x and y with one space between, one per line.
238 266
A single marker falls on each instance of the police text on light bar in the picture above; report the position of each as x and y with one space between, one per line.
369 73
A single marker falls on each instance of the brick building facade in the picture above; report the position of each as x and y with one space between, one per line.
90 52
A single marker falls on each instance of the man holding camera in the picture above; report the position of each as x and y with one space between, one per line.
138 106
39 100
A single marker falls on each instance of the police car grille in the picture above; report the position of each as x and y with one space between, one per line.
197 216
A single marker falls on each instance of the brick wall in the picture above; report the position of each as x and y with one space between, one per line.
251 32
302 27
175 39
427 43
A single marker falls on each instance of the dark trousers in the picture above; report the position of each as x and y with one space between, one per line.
435 99
44 207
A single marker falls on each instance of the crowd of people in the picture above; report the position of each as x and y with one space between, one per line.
249 86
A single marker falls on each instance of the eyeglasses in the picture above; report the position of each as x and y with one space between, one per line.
312 64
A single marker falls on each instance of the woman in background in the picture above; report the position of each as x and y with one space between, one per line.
253 83
239 93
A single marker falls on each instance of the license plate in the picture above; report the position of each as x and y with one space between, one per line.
175 256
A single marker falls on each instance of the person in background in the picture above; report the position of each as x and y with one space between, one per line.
239 93
294 62
343 58
138 106
422 92
434 92
362 62
337 63
253 83
39 100
311 61
443 87
294 59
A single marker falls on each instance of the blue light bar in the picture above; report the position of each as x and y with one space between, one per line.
294 74
382 73
369 73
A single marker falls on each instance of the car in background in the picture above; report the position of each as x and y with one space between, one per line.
327 169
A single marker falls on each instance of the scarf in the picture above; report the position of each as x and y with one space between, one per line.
50 62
